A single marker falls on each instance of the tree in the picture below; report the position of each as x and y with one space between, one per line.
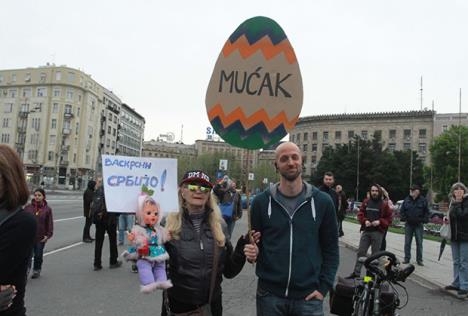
264 170
376 165
444 158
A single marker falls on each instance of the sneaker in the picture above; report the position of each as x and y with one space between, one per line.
462 293
36 274
116 265
97 268
87 240
352 276
451 288
420 263
134 268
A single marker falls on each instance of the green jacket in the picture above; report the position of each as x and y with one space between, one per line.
298 254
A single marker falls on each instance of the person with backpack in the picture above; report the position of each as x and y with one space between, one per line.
104 222
17 233
229 202
45 228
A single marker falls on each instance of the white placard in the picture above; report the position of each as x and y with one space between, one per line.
251 176
223 164
123 178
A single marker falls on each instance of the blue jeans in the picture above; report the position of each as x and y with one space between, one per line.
417 231
271 305
125 224
37 255
230 225
460 264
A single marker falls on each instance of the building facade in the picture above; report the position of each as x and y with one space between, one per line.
51 116
444 121
396 130
131 132
162 149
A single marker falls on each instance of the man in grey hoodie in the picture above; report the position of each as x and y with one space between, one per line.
299 254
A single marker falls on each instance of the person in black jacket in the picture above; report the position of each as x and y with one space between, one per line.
196 230
415 212
17 233
327 187
341 209
458 219
87 199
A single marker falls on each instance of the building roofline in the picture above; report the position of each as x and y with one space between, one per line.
366 116
129 109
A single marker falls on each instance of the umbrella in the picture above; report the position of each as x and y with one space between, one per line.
442 247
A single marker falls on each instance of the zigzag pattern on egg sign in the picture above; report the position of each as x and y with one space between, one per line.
237 115
256 137
263 34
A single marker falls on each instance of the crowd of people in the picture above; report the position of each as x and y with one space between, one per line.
293 238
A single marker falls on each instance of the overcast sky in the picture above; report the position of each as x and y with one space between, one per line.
158 56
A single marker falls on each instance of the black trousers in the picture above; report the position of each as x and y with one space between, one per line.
86 228
179 306
108 225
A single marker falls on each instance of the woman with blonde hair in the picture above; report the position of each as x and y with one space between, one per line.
200 251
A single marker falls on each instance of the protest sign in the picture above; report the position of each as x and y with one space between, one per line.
124 178
255 95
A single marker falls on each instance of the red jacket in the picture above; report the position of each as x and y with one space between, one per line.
386 215
43 215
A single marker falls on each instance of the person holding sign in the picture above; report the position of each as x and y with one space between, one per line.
200 251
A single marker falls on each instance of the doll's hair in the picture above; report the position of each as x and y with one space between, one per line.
142 201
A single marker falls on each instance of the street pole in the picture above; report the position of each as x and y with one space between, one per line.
357 170
459 137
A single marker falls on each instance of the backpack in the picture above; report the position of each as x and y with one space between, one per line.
226 209
98 207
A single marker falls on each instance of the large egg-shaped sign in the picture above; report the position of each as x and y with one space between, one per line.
255 93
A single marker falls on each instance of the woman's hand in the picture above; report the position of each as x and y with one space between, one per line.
7 294
131 237
44 239
251 252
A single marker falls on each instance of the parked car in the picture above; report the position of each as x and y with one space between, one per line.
356 207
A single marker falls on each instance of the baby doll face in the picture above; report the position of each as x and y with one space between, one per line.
150 214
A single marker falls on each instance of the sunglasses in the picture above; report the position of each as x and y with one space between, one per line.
196 187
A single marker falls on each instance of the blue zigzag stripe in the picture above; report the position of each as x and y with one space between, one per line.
258 128
256 28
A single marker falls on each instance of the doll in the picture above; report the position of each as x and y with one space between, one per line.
147 239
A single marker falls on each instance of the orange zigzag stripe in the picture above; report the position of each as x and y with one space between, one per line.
247 122
264 44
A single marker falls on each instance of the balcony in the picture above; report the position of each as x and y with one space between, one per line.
103 119
23 114
68 115
64 163
19 145
65 148
21 129
66 131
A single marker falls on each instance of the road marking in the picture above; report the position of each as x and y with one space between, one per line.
66 219
63 248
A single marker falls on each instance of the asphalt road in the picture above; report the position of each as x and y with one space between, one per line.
69 286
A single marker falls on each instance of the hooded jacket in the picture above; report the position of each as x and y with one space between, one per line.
43 215
385 218
459 219
414 211
299 253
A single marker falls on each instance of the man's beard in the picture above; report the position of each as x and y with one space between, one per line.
291 177
375 197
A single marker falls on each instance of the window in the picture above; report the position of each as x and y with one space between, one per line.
43 77
114 132
364 135
50 156
1 78
313 159
32 154
378 135
422 133
55 108
392 134
12 93
13 77
68 108
58 75
325 136
108 143
444 128
406 146
298 138
27 92
304 148
66 124
27 77
109 130
78 112
314 147
337 135
70 94
74 158
53 124
79 97
8 107
391 147
5 138
292 138
350 134
34 140
36 123
6 122
41 92
422 148
113 144
57 92
306 136
77 128
25 107
88 159
407 134
52 139
71 76
37 107
314 135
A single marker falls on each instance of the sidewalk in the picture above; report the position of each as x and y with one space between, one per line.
436 273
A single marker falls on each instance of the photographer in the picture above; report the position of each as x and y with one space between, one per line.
229 201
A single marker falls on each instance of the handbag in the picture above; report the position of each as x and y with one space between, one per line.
445 231
204 310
